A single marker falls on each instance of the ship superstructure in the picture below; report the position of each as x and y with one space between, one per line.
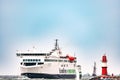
50 65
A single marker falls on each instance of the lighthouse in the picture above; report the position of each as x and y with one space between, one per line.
104 65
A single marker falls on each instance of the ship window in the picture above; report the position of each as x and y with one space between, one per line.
29 64
75 61
40 63
60 60
74 65
50 60
25 60
31 59
66 65
65 60
21 63
46 60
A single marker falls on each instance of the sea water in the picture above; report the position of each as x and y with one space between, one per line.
24 78
12 77
31 79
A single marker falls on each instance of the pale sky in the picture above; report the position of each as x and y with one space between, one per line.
87 28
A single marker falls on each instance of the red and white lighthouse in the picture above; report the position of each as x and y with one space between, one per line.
104 65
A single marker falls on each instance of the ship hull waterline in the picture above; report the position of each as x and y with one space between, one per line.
49 76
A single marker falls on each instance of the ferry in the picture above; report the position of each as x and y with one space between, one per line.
51 65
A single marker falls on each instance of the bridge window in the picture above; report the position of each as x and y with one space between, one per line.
40 63
29 64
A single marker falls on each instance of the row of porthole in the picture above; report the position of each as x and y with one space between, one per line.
64 65
53 60
24 60
31 60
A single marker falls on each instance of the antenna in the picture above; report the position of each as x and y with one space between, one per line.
94 69
56 45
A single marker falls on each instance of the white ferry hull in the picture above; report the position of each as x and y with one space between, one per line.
48 71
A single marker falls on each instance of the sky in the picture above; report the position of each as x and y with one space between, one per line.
86 28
